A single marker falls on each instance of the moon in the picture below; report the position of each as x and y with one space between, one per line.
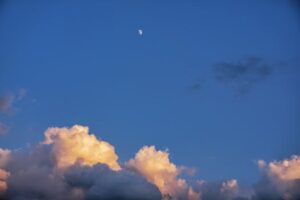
140 32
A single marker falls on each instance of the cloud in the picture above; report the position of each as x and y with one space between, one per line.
286 170
73 164
3 185
76 182
70 164
226 190
230 185
157 168
7 107
243 74
76 145
3 128
4 157
6 102
33 176
41 172
281 178
100 182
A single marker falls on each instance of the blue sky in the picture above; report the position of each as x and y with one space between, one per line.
85 63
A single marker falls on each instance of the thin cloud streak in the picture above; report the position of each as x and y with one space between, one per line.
243 74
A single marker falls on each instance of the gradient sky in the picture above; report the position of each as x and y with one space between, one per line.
85 63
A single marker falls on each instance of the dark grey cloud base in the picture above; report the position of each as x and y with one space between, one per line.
34 176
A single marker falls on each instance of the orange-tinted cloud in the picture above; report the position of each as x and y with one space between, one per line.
76 145
230 185
4 157
3 176
283 176
285 170
159 170
73 164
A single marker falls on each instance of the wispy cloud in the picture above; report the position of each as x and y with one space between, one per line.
243 74
8 100
6 103
3 128
7 107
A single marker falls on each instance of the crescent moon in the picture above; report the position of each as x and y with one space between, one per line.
140 31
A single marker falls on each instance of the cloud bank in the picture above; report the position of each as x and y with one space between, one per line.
73 164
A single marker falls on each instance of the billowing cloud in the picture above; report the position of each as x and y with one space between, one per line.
159 170
4 157
76 145
100 182
3 176
76 182
73 164
243 74
230 185
226 190
286 170
282 178
51 171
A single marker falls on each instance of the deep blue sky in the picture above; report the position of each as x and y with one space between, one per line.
83 62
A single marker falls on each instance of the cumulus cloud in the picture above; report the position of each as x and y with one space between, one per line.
73 164
281 178
74 183
4 157
159 170
76 145
226 190
41 172
100 182
3 185
33 176
243 74
230 185
286 170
